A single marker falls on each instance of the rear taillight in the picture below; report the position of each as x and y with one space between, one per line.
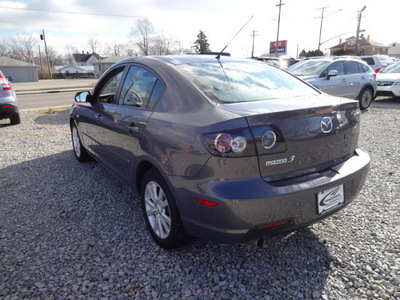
4 83
261 140
237 142
374 74
269 140
377 70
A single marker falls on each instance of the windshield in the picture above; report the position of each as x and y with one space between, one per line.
233 81
308 68
393 68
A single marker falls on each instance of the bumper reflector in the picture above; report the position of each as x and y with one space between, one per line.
7 106
274 224
205 202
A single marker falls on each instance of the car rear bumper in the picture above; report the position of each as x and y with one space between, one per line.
7 110
259 208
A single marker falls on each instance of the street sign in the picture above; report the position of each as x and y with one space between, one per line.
282 47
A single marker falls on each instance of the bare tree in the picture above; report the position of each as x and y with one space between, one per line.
116 49
69 52
93 44
5 48
23 47
142 33
55 58
164 45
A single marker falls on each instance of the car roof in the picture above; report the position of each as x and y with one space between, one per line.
181 59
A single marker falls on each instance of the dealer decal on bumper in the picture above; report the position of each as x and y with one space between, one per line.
330 199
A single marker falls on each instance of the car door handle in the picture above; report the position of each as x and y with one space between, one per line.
132 128
99 118
343 80
362 77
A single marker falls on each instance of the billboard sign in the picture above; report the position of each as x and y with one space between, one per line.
282 47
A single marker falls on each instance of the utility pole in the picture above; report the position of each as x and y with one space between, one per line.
43 37
358 29
320 28
41 62
279 22
252 49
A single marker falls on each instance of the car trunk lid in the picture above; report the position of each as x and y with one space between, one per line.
313 134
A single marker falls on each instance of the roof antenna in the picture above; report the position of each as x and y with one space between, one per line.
219 54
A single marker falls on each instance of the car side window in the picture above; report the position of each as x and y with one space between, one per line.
109 89
338 66
351 67
138 86
158 88
363 68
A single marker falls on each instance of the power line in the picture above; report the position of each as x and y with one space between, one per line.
70 12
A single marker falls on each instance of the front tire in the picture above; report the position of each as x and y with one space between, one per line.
365 98
80 152
160 213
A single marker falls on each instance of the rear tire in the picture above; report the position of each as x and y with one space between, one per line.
365 98
15 119
160 213
80 152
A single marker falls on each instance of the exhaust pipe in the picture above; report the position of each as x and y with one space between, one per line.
259 242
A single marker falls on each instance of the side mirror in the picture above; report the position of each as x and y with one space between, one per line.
10 78
332 73
83 97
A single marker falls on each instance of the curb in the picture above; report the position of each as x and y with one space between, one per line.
28 92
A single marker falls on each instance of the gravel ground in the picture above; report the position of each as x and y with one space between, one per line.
72 231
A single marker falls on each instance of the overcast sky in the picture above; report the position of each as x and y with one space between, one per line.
220 19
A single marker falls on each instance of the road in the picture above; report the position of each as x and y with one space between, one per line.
41 100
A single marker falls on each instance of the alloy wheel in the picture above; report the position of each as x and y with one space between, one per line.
157 209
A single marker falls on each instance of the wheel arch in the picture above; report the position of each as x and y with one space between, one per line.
141 169
367 86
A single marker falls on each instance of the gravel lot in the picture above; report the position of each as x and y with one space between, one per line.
72 231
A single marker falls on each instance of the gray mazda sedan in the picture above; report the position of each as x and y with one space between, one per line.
223 149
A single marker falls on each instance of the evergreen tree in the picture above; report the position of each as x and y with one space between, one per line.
201 45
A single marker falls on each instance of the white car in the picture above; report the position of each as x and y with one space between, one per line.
388 80
377 62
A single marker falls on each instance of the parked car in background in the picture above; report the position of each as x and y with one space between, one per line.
338 76
273 61
8 102
223 149
377 62
388 80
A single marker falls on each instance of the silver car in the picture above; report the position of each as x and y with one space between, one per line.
343 77
8 102
219 148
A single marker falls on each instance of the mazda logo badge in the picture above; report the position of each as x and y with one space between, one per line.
326 125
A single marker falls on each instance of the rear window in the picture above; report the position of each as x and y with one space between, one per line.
243 81
368 60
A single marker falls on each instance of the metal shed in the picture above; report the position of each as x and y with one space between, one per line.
19 70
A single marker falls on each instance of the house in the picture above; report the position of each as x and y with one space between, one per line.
367 47
84 59
19 70
394 50
74 69
103 64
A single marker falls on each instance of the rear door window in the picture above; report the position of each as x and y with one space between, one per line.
351 67
139 85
